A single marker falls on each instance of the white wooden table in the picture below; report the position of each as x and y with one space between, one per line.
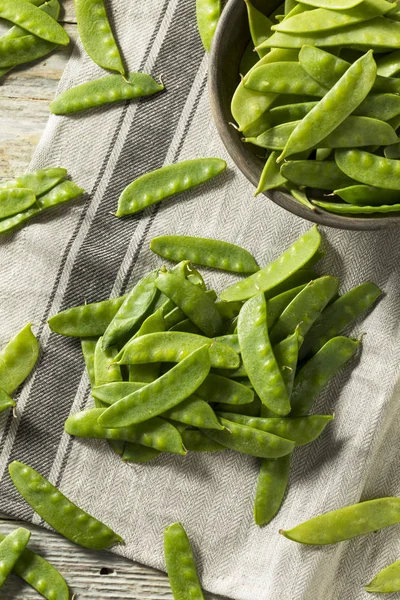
24 98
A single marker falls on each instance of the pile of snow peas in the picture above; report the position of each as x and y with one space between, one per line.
173 369
320 94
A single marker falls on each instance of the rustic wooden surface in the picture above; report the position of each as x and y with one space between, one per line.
24 97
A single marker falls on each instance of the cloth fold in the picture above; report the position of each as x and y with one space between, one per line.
82 252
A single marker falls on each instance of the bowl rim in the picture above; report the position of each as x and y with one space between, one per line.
245 164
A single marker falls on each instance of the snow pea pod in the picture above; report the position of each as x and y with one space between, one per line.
248 60
316 373
40 575
392 151
196 441
389 64
194 412
39 182
286 355
13 201
63 192
167 181
332 4
259 25
111 392
205 252
20 50
386 581
34 20
368 195
231 340
181 568
170 389
369 168
132 310
174 346
271 486
105 369
96 34
5 401
324 175
216 388
271 176
193 301
138 454
339 315
88 347
351 89
58 511
283 78
155 433
349 209
380 106
347 523
88 320
17 359
11 549
106 90
147 373
287 113
186 326
277 304
275 276
208 13
251 410
250 441
258 356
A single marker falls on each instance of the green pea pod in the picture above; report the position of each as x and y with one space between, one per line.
109 393
250 410
11 549
367 195
259 25
386 581
13 201
166 392
105 369
389 64
39 182
193 301
155 433
250 441
88 347
148 373
184 582
271 487
270 277
283 78
196 441
34 20
286 355
339 315
347 523
221 389
248 60
369 168
277 304
324 175
88 320
333 4
208 13
131 311
194 412
17 359
5 401
167 181
40 575
300 277
174 346
271 177
70 521
138 454
228 310
96 34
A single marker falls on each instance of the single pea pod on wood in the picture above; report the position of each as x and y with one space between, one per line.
17 359
205 252
267 279
369 168
386 581
271 486
34 20
347 523
13 201
58 511
11 549
106 90
40 575
208 13
165 182
181 568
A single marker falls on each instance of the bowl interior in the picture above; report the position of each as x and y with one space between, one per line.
230 41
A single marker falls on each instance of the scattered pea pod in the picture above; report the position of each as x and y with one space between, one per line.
271 487
386 581
15 200
88 320
178 554
17 359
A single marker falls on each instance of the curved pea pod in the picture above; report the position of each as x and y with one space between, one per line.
155 433
11 549
193 301
196 441
277 304
216 388
106 90
250 441
88 320
347 523
381 33
181 568
337 104
348 209
40 575
283 78
324 175
208 13
58 511
17 359
339 315
369 169
132 310
174 346
323 19
301 430
34 20
368 195
386 581
316 373
96 34
389 64
305 308
271 176
195 412
380 106
39 182
271 487
138 454
267 279
13 201
258 356
259 25
167 181
168 391
205 252
18 51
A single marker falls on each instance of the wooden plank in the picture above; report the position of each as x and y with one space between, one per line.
67 11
